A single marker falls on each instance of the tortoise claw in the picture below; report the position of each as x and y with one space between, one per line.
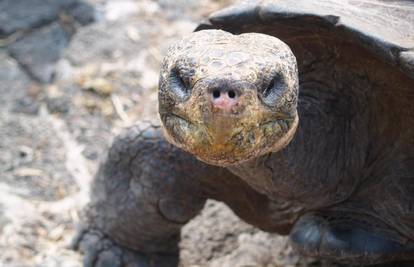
345 239
100 251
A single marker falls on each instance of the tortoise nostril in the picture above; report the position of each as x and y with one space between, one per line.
216 93
231 94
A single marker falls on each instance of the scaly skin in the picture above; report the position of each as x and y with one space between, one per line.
332 166
207 60
147 189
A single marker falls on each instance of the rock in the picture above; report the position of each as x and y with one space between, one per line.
218 238
27 105
82 13
23 15
103 42
211 235
39 51
14 83
58 104
18 15
63 70
45 29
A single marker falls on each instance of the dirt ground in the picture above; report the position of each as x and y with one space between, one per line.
72 75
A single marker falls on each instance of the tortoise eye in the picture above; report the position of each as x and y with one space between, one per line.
273 91
269 89
178 84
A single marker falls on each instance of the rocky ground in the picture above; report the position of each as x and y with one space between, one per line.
72 74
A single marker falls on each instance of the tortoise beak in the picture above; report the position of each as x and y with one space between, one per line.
222 128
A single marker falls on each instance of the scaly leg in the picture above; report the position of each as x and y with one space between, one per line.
144 192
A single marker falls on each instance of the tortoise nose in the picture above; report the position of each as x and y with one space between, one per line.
224 99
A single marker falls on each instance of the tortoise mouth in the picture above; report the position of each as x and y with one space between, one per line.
231 142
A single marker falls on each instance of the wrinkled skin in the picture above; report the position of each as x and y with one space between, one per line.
265 83
331 167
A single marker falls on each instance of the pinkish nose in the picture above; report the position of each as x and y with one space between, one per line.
224 99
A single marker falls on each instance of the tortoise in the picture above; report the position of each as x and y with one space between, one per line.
297 114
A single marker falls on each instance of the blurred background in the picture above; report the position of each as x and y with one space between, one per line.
74 73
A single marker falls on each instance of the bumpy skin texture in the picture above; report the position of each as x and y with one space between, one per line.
147 189
340 181
265 82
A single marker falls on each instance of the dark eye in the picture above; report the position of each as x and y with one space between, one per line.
269 89
273 91
179 86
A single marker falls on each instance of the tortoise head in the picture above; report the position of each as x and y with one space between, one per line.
229 98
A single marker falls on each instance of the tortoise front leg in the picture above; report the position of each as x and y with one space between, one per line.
144 192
